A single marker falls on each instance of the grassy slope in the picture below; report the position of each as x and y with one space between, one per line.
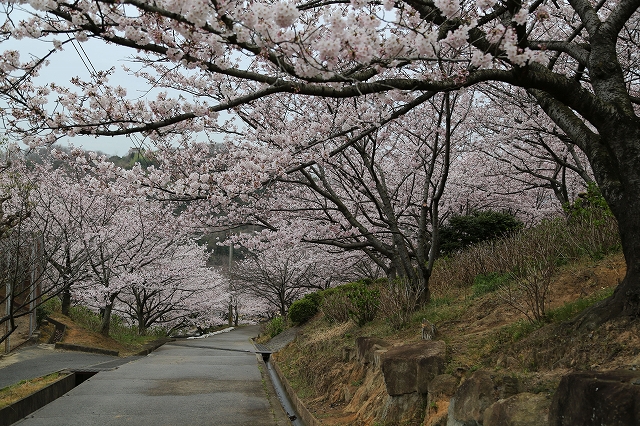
480 332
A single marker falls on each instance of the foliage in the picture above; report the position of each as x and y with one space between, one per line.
276 326
440 310
365 302
358 300
516 331
85 317
335 306
486 283
594 230
589 204
462 231
398 301
304 309
47 308
560 239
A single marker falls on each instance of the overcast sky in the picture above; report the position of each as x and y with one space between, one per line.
67 64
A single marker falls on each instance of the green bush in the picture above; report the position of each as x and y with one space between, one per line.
365 302
589 205
356 300
303 310
315 297
335 306
275 326
463 231
85 317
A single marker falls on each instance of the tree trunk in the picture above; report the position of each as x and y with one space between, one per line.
106 316
623 196
66 300
142 330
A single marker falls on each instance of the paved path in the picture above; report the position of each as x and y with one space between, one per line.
215 381
40 360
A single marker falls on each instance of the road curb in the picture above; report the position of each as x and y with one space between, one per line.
79 348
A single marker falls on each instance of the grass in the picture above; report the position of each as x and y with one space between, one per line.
487 283
442 310
119 330
16 392
571 309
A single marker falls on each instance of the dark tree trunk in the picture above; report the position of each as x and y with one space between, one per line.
106 316
66 300
142 329
620 185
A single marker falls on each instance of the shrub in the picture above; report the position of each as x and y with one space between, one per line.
47 308
303 310
364 303
335 306
275 326
397 303
463 231
354 300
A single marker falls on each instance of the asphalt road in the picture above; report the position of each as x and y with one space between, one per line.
213 381
40 360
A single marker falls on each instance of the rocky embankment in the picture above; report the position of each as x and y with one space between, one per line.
407 385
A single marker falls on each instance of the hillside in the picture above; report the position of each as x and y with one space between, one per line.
481 333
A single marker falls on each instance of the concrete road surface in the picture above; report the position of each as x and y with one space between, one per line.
36 361
216 381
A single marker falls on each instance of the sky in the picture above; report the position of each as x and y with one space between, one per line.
67 64
75 61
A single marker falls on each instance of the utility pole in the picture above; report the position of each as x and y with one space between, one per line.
7 304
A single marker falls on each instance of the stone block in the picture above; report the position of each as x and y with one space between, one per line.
523 409
410 368
365 348
442 385
472 398
604 398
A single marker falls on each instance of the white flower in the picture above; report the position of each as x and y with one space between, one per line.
485 4
449 8
520 17
286 14
481 60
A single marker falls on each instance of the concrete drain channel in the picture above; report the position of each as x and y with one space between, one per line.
281 392
27 405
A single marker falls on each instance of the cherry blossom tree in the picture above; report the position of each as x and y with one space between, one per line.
175 291
536 153
380 195
280 273
63 207
23 285
577 59
128 235
11 213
